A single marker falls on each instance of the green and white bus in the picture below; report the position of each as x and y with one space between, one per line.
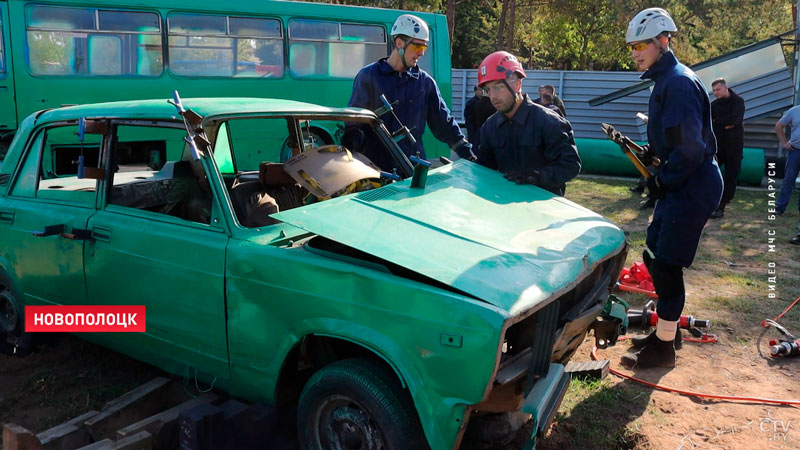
56 53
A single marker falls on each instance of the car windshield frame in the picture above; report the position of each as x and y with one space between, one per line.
214 121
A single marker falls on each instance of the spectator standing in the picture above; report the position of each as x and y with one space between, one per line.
727 114
550 89
792 147
547 102
477 110
469 113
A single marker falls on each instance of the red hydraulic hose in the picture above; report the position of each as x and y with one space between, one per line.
698 394
766 325
709 339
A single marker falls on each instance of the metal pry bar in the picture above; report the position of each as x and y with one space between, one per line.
192 121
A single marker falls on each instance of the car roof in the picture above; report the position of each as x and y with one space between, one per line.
161 109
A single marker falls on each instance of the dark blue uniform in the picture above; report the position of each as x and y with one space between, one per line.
534 139
679 132
419 102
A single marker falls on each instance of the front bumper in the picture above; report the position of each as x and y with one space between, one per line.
543 401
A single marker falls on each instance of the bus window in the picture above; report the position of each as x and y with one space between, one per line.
205 45
322 49
105 55
88 41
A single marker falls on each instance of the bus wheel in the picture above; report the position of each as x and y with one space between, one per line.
13 340
357 404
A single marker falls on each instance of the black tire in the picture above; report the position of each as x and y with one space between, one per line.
13 338
357 404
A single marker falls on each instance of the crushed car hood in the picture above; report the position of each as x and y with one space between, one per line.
512 246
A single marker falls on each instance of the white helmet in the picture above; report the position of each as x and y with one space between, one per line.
411 26
648 24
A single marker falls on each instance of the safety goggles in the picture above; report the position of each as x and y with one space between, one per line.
638 46
499 88
417 46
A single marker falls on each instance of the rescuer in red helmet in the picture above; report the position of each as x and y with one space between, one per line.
528 143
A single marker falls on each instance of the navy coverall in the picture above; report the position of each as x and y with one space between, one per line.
679 132
419 102
534 139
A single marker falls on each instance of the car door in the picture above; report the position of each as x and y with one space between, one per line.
158 242
46 209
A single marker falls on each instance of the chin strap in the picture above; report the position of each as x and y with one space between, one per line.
402 53
517 95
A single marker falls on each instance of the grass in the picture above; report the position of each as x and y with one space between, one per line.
738 293
728 282
579 424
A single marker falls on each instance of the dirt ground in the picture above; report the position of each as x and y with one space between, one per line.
662 420
728 284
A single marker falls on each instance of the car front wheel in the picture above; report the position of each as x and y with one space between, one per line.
357 404
13 338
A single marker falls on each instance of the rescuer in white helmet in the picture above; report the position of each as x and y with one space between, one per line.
687 183
419 102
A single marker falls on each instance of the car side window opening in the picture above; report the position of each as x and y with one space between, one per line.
257 184
90 41
225 46
152 170
57 172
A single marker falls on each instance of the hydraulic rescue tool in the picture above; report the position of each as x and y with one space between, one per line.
647 317
789 346
632 150
612 322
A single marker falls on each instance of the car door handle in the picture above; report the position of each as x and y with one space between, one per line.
7 217
78 235
50 230
59 230
102 234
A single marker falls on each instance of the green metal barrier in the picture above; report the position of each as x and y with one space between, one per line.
603 156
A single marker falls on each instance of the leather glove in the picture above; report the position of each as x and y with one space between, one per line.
533 177
656 188
464 150
646 157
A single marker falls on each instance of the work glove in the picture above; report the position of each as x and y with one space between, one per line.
646 157
533 177
464 150
656 188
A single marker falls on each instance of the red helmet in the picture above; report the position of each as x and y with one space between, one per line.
499 66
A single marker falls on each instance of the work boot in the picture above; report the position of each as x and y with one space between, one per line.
640 342
638 189
647 204
718 213
655 354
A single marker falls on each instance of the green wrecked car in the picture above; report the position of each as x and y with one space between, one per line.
388 309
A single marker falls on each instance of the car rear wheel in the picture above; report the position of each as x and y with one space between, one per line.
357 404
13 338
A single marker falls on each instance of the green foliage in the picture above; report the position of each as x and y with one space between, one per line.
590 35
475 32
